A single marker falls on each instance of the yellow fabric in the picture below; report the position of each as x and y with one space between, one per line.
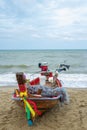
30 108
23 94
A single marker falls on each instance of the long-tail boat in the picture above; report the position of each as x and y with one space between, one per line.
32 98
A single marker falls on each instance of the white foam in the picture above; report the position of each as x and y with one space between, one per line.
74 80
69 80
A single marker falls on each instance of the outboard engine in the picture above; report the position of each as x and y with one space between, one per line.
44 69
43 66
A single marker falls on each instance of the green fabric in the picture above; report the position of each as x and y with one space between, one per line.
27 113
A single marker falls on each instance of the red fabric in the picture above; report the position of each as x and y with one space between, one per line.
22 88
35 107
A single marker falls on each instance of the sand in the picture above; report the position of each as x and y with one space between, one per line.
65 117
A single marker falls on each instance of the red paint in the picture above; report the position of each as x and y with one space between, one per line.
35 81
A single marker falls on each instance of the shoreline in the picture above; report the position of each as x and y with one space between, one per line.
16 86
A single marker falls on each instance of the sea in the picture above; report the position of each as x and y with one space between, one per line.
13 61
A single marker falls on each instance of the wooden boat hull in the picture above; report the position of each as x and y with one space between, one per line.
43 103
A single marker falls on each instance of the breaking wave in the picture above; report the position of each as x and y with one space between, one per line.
14 66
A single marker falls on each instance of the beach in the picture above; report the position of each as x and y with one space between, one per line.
62 117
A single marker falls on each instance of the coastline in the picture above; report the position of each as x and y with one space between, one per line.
66 117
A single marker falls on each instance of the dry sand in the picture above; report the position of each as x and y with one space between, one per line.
65 117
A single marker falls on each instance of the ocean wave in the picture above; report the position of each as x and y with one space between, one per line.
14 66
68 80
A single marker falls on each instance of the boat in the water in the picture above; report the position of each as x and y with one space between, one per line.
36 98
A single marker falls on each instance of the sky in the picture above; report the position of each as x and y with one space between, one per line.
43 24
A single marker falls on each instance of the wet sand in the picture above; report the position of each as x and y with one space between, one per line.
65 117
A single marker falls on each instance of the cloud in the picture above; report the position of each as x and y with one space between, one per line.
60 19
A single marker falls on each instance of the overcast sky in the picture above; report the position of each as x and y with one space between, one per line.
43 24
